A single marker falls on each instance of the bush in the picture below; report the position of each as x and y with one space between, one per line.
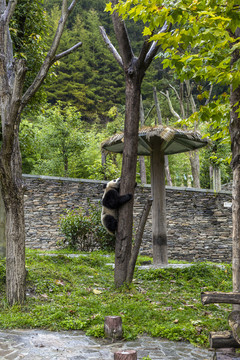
83 229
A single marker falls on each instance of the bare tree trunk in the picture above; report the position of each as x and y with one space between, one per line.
125 221
195 166
143 175
235 145
15 227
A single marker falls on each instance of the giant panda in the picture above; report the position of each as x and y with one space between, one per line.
111 201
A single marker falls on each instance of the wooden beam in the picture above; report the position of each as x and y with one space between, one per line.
222 339
159 228
219 297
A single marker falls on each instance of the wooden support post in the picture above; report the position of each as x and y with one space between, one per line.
159 230
218 297
113 327
125 355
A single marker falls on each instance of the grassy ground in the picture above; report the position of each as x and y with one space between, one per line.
77 293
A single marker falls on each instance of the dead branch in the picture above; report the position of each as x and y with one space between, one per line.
110 46
50 58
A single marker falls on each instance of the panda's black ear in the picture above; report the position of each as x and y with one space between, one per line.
104 186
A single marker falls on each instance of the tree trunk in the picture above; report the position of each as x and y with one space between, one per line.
195 167
12 193
234 129
2 227
125 220
143 175
216 178
159 231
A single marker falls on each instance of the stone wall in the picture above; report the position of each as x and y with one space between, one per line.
199 222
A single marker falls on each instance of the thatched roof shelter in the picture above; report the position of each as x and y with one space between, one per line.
173 140
158 141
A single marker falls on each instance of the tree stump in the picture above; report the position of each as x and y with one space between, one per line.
113 327
125 355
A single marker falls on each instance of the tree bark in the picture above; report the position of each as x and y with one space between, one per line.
234 129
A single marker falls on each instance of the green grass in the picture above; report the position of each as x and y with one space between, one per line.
77 293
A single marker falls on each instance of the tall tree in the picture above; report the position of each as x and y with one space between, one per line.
208 32
134 69
13 99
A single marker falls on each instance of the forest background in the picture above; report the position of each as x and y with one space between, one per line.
82 103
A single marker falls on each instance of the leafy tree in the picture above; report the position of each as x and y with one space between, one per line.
15 94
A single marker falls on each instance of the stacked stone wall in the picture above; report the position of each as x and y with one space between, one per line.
199 222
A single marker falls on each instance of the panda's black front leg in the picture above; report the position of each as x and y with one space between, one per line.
124 199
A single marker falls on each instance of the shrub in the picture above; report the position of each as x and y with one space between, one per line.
83 229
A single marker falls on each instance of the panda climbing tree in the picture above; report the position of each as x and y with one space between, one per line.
134 70
111 202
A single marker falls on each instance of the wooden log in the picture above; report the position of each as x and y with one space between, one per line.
222 339
234 323
218 297
224 356
113 327
125 355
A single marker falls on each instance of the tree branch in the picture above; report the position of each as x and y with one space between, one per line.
110 46
138 240
121 33
180 99
50 58
145 48
9 11
154 48
174 113
209 96
66 52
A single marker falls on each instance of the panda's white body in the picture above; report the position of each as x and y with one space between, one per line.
111 202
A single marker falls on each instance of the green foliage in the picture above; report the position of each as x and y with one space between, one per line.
84 231
77 292
89 79
29 30
199 46
57 142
